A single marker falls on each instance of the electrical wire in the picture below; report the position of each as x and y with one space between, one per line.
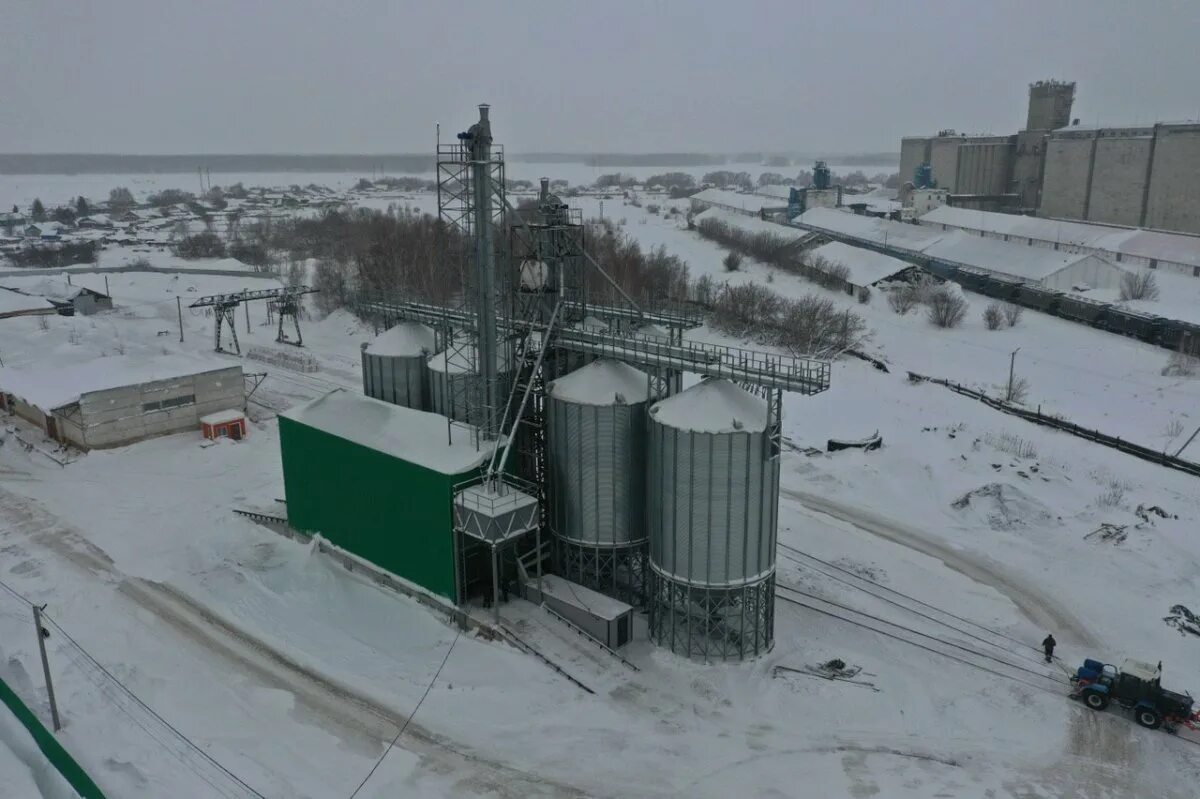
798 551
941 641
404 726
945 624
125 689
919 646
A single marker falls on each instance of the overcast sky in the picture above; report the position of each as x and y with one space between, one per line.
373 76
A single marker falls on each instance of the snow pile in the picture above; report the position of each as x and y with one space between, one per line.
24 770
602 382
713 406
405 340
1003 507
591 323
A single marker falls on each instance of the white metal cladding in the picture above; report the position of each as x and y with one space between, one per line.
712 505
596 486
400 380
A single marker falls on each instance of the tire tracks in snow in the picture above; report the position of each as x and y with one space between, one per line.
1040 609
344 706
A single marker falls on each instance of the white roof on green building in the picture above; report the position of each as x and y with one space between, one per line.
414 436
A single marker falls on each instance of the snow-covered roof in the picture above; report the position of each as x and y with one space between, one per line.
870 228
713 406
596 603
51 288
775 191
50 386
867 267
12 302
405 340
1174 247
223 417
751 203
602 382
410 435
1026 263
750 224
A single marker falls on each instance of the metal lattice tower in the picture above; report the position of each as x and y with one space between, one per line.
470 171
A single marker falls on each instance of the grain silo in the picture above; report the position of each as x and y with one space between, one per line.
455 384
712 497
393 365
595 455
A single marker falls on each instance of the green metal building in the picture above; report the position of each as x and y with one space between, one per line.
377 480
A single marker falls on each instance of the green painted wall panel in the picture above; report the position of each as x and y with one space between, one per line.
386 510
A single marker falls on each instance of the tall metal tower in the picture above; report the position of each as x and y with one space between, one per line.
470 172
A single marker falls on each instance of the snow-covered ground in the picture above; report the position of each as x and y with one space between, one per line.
295 674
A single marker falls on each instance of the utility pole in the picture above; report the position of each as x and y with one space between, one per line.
179 310
247 305
1012 363
42 635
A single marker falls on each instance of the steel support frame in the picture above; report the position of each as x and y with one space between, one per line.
466 185
711 623
618 571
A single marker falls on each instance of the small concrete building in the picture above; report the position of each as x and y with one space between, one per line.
109 402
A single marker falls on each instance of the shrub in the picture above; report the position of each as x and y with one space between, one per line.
1012 313
864 295
1017 391
902 299
993 316
732 262
652 208
1139 286
1185 360
201 245
946 309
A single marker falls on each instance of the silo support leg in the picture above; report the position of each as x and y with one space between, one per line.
495 587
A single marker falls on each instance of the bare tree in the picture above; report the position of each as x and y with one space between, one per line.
732 262
1012 313
1017 391
1139 286
993 316
946 309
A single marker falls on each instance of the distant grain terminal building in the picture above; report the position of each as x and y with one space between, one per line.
1140 176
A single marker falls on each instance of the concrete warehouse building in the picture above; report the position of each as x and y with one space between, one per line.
1130 247
1142 176
118 400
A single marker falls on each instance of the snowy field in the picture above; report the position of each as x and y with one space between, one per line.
60 189
966 539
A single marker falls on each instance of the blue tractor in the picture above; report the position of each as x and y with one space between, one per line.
1136 686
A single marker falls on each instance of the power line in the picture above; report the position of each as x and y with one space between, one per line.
919 646
941 641
900 605
404 726
125 689
797 551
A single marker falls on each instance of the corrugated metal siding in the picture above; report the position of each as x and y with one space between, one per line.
394 379
595 455
711 507
391 512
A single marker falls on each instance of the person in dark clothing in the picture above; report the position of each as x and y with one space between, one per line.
1048 645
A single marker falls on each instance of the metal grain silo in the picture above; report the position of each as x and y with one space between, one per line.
712 503
393 365
455 385
595 455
